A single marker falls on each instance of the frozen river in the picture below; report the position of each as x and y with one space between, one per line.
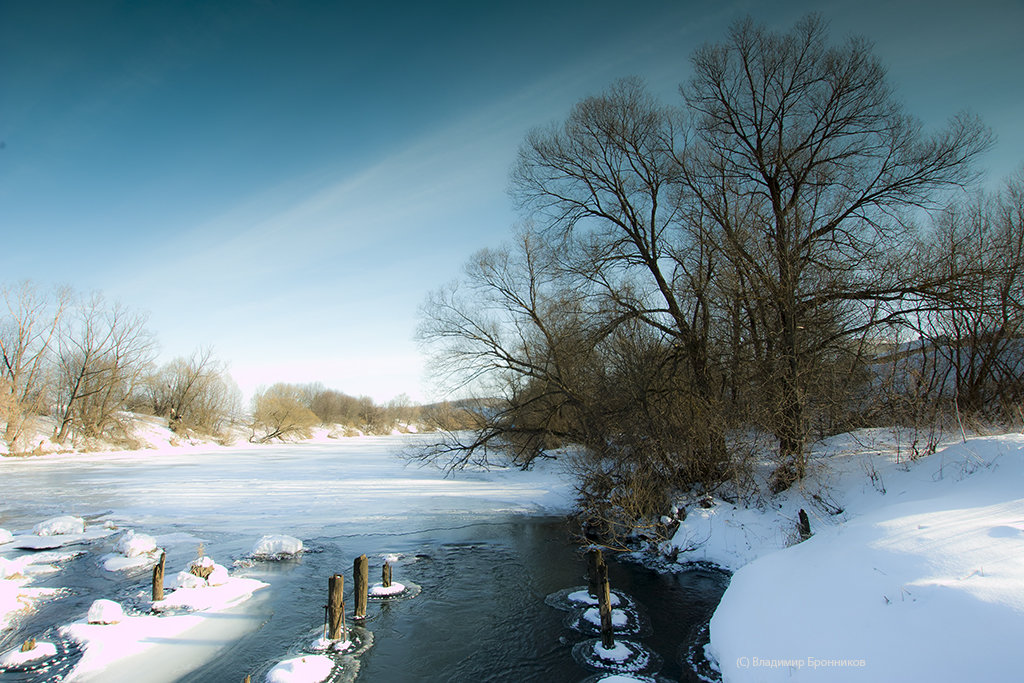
485 547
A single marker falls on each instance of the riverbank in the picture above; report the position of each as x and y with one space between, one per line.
143 433
912 559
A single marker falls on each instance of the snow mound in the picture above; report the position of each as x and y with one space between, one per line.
619 618
189 580
201 595
5 536
60 526
583 597
105 612
378 590
15 658
132 544
884 593
277 546
308 669
10 569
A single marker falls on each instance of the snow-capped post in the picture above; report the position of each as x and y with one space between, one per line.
361 576
595 560
804 525
604 604
158 578
336 608
385 575
29 645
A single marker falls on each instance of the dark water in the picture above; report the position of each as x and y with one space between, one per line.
480 616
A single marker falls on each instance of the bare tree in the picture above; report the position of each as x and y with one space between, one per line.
802 155
28 332
278 413
194 393
103 350
974 332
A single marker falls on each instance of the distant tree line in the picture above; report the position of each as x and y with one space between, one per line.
292 410
745 262
89 365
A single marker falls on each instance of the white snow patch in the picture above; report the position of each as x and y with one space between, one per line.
308 669
133 544
277 546
16 657
203 596
926 561
378 590
12 568
619 652
105 612
619 618
59 526
583 597
5 536
189 580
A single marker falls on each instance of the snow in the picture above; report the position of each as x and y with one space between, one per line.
308 669
378 590
277 546
134 544
619 652
59 526
105 612
583 597
202 595
5 536
32 541
189 580
927 559
12 568
106 646
619 618
16 657
136 550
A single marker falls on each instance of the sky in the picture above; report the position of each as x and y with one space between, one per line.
285 181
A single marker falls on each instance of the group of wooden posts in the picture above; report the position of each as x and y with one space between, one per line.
598 587
336 629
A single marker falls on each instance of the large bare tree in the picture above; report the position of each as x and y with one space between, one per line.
103 350
28 332
803 156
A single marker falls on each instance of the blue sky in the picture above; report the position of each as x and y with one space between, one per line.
284 181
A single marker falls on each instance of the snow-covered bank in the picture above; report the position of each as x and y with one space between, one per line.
148 433
915 570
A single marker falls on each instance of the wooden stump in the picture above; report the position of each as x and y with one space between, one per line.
336 608
28 645
158 578
604 604
594 560
385 576
804 525
361 577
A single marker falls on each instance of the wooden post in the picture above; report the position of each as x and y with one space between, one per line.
361 577
604 602
385 575
336 608
28 645
594 560
804 525
158 578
